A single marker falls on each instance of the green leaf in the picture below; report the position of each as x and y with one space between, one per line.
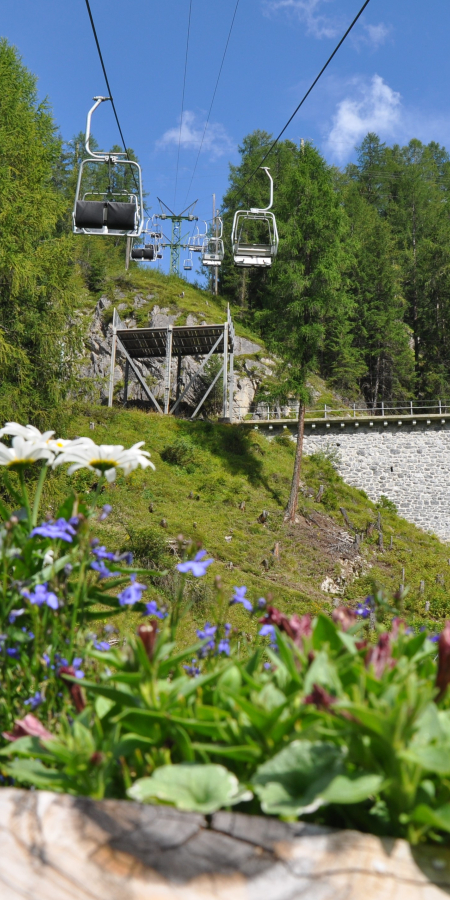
202 788
296 778
322 671
352 790
436 818
103 705
32 771
431 758
325 632
24 746
243 752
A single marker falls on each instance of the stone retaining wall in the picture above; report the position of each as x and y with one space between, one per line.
407 460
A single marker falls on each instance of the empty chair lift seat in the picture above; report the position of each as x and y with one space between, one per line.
253 255
98 214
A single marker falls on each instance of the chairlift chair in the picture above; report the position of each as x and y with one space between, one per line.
188 263
213 250
147 253
108 212
196 242
247 253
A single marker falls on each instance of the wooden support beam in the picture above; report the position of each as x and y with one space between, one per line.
125 386
168 369
207 393
139 377
113 359
196 374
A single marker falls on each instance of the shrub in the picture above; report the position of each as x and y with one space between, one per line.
149 546
388 505
180 453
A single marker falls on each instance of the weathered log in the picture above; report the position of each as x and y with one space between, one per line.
263 517
345 517
58 847
320 493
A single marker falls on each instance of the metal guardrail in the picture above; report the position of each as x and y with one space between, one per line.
266 412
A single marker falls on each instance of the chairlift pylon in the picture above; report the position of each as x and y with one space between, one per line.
213 250
110 212
245 252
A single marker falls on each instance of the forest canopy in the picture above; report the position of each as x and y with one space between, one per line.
362 275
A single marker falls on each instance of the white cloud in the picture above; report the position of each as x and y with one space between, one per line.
309 12
216 141
376 107
371 35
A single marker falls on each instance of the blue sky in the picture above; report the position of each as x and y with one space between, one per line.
390 76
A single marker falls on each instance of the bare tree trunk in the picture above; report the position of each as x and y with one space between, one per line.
291 509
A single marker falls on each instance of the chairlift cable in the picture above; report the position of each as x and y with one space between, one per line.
94 31
213 98
182 99
275 142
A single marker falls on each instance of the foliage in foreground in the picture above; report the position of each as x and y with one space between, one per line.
336 720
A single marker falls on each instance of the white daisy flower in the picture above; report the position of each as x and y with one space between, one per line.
28 432
23 453
104 459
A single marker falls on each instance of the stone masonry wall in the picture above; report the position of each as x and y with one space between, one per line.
408 463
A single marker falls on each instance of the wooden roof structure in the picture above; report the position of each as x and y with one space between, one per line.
199 341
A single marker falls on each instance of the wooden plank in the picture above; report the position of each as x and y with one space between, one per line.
59 847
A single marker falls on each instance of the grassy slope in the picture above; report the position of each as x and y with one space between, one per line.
226 466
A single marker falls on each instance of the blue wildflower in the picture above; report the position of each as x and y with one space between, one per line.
227 629
132 594
35 700
269 631
59 530
261 603
106 509
13 652
197 566
103 553
76 664
207 634
239 597
224 646
192 670
14 614
41 595
151 609
103 571
101 645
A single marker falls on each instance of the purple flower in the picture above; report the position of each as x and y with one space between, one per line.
59 530
261 603
29 634
41 595
101 645
192 670
239 597
61 660
434 638
224 646
197 566
76 665
151 609
364 609
34 701
13 652
103 571
207 634
106 509
269 631
133 593
68 569
14 614
103 553
227 629
46 659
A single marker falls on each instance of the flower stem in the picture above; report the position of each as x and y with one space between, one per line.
37 496
25 498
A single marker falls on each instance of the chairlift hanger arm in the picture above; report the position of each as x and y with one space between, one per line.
92 153
266 208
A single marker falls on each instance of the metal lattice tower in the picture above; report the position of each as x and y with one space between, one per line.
177 241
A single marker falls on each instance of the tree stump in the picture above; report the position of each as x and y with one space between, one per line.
59 847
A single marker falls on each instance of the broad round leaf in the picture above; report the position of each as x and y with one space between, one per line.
198 788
